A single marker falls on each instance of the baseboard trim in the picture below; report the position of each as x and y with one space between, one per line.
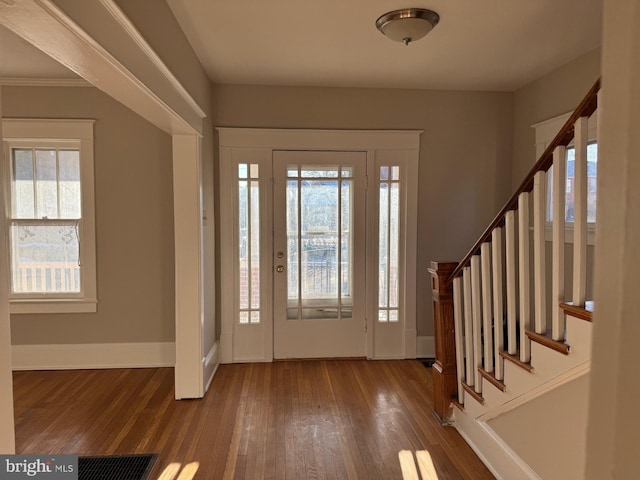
425 347
93 356
498 457
210 366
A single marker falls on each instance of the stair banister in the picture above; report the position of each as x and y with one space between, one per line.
580 216
444 369
473 306
564 137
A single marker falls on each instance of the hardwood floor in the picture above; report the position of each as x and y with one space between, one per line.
284 420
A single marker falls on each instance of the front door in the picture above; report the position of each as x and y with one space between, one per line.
319 254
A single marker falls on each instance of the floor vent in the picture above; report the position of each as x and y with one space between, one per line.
116 467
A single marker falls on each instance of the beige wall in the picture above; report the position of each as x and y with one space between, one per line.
134 223
549 433
551 95
156 23
465 152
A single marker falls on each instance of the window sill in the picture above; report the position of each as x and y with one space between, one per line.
568 233
53 306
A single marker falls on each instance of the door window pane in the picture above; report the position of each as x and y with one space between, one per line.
249 243
388 243
319 171
319 241
319 204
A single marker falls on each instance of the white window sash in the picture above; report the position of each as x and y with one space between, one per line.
60 134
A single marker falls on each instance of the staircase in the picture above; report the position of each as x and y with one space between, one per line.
506 342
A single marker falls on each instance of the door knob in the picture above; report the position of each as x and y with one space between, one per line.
280 268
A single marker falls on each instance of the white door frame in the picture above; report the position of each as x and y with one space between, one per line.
254 145
137 77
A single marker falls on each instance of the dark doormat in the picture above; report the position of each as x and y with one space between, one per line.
116 467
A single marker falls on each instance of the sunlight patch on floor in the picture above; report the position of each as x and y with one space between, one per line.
187 473
410 466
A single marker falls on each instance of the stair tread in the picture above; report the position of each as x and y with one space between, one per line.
547 340
470 390
456 403
491 377
515 359
583 312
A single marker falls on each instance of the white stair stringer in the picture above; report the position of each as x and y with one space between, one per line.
551 369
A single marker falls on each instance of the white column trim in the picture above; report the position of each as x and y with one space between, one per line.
187 211
7 432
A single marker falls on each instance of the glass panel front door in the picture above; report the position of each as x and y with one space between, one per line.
319 254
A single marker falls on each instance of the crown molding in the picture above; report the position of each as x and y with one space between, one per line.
43 82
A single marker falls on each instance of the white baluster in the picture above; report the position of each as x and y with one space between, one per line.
581 138
458 315
539 259
498 300
510 246
476 298
485 259
468 326
524 276
557 283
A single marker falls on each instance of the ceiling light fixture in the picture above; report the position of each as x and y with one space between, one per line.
407 25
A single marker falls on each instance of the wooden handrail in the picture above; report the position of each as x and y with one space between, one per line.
564 137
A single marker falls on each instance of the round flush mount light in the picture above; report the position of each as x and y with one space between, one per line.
407 25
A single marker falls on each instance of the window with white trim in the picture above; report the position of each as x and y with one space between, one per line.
592 176
545 132
389 243
249 243
51 224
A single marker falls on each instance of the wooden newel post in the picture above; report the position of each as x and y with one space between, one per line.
445 383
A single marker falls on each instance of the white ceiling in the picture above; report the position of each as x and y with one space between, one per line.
478 44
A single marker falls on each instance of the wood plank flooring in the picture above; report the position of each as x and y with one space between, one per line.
332 419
